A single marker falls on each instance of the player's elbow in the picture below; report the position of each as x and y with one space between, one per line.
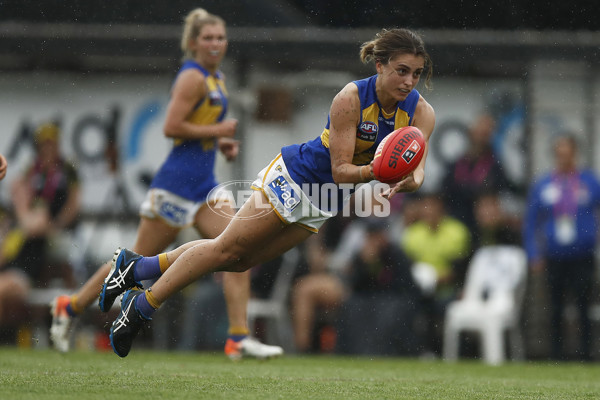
171 130
338 177
343 172
170 133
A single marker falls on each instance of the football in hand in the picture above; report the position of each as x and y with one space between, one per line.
398 154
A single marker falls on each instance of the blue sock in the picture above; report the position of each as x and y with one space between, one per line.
147 268
143 307
237 338
70 311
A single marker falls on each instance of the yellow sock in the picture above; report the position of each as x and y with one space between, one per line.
74 306
163 262
151 299
238 331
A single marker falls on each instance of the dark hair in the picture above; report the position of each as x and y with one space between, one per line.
391 42
376 224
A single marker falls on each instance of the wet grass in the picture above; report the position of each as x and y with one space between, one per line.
37 374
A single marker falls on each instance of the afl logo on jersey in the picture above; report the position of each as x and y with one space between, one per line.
214 98
367 131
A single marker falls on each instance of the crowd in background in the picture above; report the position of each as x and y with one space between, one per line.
364 285
45 204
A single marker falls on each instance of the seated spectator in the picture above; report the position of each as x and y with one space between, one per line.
46 202
378 316
319 290
322 287
204 318
444 243
14 285
493 226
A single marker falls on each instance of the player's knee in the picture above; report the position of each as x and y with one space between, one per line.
237 264
236 259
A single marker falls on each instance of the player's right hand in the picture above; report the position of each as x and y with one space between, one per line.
227 128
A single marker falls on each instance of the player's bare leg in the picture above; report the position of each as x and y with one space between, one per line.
236 288
234 250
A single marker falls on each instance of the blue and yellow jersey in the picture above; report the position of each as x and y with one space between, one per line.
188 170
311 162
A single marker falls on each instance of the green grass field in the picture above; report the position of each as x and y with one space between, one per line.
41 374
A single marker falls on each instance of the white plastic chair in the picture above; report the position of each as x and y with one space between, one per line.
275 308
425 276
491 304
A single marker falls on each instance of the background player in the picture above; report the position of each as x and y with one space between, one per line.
195 121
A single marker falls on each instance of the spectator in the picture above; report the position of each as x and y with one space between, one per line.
493 226
478 170
380 311
319 290
183 191
46 203
14 284
443 242
560 234
204 316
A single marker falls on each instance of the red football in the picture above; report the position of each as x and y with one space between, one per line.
398 154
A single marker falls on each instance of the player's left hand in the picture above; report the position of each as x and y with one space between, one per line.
409 183
229 147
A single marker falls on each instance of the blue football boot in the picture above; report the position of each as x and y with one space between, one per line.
127 325
120 278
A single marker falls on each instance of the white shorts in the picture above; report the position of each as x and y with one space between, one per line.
287 199
173 209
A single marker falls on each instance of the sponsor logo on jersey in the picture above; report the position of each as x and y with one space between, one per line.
214 98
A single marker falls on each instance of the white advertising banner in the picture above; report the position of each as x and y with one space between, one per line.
93 109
